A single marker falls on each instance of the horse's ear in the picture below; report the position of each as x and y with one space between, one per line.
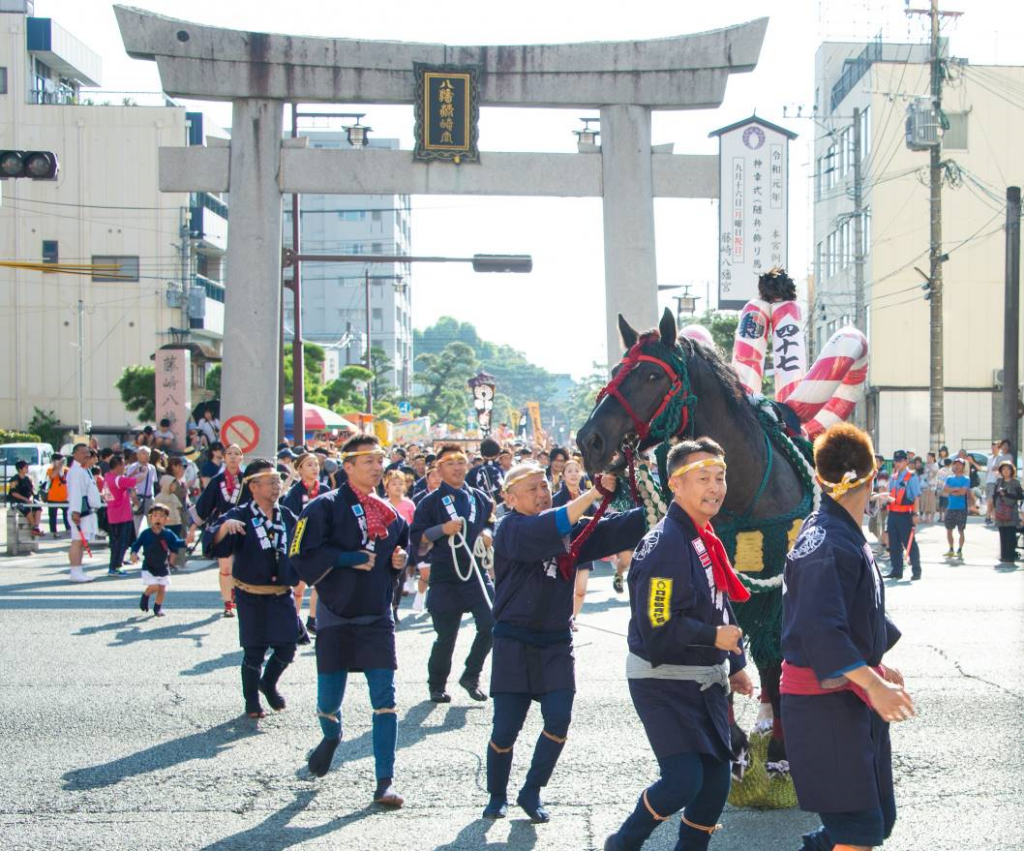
629 336
667 328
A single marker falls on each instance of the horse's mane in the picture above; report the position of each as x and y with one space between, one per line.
732 391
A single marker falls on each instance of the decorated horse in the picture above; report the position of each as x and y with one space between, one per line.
668 387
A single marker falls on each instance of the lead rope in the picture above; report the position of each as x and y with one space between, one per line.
459 540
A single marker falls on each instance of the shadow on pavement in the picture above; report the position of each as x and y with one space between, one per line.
522 836
411 731
227 660
203 745
276 832
134 629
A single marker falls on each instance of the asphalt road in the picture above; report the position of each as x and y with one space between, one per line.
122 731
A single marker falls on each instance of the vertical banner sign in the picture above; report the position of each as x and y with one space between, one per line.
533 409
447 112
174 390
482 386
753 173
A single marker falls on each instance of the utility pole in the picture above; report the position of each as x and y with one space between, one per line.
859 317
81 370
298 357
1011 326
369 360
937 429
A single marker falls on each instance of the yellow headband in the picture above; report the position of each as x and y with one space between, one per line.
375 451
696 465
848 482
521 477
452 456
262 474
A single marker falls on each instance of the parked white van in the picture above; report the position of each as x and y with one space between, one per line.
38 455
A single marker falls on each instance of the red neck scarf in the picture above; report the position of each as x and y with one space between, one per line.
379 514
230 482
725 577
312 490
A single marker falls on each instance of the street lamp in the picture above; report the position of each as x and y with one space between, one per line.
357 133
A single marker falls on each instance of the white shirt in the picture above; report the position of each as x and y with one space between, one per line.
82 489
145 486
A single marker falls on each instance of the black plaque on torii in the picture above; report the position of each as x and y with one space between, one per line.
447 112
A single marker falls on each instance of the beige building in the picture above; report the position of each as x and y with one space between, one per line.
984 111
104 208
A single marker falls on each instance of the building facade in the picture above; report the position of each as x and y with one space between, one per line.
67 338
874 84
334 295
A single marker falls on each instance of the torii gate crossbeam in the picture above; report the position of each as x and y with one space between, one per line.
259 72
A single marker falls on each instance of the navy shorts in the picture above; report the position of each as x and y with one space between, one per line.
956 518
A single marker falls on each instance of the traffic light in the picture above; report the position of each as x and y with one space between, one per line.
38 165
502 263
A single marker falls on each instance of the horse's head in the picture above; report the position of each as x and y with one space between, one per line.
643 400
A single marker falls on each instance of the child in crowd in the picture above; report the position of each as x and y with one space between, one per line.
157 542
169 499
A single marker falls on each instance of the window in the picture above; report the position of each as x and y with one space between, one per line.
377 248
3 81
50 252
830 167
378 319
376 216
819 177
955 136
352 215
128 267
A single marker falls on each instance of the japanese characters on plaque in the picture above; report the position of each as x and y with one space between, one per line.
447 112
753 207
174 390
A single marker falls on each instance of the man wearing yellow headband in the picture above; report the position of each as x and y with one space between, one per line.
351 545
838 699
533 654
685 654
255 537
451 518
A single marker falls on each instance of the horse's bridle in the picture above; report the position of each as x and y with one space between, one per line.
676 372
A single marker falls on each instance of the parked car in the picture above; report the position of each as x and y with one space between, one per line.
38 455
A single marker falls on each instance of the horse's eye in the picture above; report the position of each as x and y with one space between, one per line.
653 376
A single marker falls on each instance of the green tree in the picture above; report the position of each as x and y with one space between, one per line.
583 396
384 391
345 394
312 376
137 386
442 377
213 381
44 423
722 327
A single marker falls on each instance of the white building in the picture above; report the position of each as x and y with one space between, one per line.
984 110
104 208
334 301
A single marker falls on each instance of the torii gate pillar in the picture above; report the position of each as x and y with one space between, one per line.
630 267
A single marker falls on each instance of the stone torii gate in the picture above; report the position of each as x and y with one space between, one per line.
259 72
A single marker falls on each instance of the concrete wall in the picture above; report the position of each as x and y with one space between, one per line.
106 201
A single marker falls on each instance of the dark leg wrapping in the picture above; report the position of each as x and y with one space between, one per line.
509 714
252 667
281 659
439 666
681 778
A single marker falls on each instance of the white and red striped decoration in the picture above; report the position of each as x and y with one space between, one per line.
789 348
751 344
698 333
831 389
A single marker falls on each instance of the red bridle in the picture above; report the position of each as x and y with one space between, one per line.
634 358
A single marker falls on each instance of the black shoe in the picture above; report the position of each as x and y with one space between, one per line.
273 696
914 577
472 689
496 809
533 806
144 603
617 583
311 625
440 697
612 844
892 575
320 760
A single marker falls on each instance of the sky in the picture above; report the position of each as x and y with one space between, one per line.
556 314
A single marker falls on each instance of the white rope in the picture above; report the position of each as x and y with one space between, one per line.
459 540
